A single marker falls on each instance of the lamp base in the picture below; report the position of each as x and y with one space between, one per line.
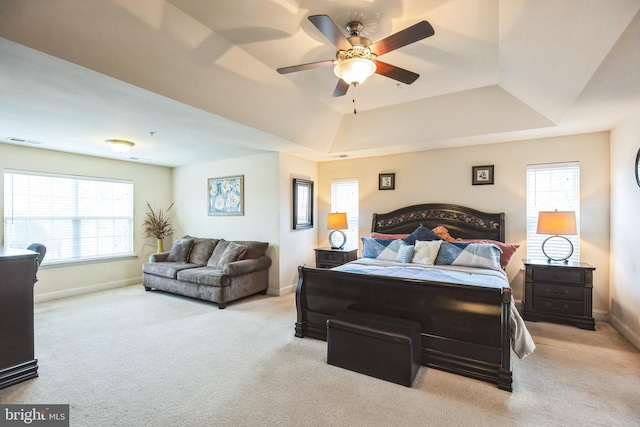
563 259
337 239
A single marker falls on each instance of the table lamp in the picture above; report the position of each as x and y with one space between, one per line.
337 222
559 224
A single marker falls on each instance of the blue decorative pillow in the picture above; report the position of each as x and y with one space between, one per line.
405 252
386 249
421 233
469 255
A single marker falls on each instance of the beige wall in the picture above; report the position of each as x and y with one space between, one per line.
445 176
261 219
296 246
151 183
625 232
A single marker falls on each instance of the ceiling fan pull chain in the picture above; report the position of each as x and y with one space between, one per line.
354 106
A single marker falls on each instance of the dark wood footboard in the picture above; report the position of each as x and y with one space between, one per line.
465 329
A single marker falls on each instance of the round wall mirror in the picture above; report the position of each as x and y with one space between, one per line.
638 167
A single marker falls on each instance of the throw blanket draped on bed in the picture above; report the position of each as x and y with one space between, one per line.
521 341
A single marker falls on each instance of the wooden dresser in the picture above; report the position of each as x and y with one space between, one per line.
559 292
18 275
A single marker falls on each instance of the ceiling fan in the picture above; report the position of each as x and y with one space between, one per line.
357 58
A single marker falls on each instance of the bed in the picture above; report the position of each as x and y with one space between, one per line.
467 328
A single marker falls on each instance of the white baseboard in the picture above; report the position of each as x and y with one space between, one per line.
625 331
49 296
276 292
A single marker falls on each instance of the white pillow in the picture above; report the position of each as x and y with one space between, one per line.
426 252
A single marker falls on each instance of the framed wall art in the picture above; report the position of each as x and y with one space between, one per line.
302 204
482 175
387 181
226 195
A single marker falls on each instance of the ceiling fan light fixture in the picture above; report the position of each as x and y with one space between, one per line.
120 146
355 70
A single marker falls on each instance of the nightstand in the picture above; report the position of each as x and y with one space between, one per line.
328 258
559 292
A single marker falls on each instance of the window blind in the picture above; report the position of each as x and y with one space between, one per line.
344 198
77 218
550 187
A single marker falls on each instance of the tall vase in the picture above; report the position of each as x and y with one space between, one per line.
160 243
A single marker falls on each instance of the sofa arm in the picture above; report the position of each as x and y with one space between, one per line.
159 257
244 266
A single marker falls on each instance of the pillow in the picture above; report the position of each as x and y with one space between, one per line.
421 233
217 253
426 252
180 251
201 250
480 255
443 233
387 236
385 249
233 252
405 252
508 249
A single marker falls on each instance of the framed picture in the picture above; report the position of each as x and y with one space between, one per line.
302 204
226 195
387 181
482 175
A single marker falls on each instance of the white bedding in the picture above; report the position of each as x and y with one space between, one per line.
521 341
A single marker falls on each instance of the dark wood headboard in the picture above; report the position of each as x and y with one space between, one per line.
461 221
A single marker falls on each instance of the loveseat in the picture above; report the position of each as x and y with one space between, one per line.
213 270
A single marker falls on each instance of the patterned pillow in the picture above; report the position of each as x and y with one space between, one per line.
469 255
385 249
426 252
421 233
508 249
405 252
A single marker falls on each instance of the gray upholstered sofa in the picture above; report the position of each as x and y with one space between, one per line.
214 270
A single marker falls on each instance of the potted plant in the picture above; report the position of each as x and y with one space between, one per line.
157 225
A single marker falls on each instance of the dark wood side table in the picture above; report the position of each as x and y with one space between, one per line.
559 292
328 258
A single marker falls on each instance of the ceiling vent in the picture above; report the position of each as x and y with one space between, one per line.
23 141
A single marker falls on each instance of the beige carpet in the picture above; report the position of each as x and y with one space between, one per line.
126 357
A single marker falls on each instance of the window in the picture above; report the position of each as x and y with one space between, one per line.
552 187
76 218
344 198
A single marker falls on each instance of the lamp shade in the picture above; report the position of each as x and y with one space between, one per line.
119 145
337 221
557 222
355 70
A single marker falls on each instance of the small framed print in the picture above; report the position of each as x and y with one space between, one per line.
387 181
482 175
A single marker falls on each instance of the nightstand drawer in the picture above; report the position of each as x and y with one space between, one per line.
551 305
331 257
560 275
558 291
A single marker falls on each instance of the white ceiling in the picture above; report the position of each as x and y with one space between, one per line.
191 81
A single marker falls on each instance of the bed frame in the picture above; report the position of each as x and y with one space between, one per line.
465 329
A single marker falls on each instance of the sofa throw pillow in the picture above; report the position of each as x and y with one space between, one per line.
469 255
384 249
180 251
233 252
217 253
202 250
426 252
421 233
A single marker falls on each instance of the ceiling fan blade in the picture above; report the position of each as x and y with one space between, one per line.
303 67
341 88
409 35
396 73
330 31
